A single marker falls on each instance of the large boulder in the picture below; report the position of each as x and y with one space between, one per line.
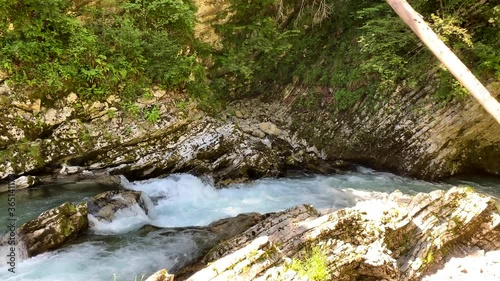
204 238
399 238
53 228
105 205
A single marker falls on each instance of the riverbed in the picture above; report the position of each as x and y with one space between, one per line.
125 250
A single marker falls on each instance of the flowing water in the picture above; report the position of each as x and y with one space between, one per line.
121 250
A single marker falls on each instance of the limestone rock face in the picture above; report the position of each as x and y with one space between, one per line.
407 132
98 138
53 228
398 238
104 205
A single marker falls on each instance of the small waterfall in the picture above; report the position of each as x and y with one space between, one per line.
148 205
126 219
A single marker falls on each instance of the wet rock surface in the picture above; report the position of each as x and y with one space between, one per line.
208 236
105 205
398 238
53 228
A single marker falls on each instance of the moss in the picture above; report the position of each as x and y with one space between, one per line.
273 250
429 259
253 253
468 188
311 209
314 266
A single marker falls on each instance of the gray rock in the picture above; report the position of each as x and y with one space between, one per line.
205 145
55 117
376 240
70 170
26 182
312 149
104 205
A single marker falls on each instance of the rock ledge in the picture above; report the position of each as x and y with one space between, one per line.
399 238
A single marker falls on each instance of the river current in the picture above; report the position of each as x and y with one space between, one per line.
124 250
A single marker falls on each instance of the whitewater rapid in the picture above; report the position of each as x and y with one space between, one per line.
120 250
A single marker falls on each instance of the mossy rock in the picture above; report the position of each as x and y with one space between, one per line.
53 228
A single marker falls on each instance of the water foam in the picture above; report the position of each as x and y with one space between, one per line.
184 200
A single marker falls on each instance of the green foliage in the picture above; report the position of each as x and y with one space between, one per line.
152 114
393 52
449 88
314 267
124 47
42 44
111 113
131 108
386 43
50 48
489 57
346 99
250 36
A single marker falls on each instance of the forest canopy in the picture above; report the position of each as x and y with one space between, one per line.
126 47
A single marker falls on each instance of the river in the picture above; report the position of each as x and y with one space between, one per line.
124 251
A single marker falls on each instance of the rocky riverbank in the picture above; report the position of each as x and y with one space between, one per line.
249 139
399 238
393 237
95 140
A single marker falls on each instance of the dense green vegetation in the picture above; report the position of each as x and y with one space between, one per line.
314 266
97 48
346 49
355 48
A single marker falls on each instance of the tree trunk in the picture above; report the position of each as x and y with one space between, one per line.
446 56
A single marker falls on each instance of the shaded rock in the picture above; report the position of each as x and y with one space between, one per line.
230 227
104 205
53 228
247 129
408 133
26 182
398 238
210 235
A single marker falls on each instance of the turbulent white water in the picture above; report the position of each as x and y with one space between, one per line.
184 200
